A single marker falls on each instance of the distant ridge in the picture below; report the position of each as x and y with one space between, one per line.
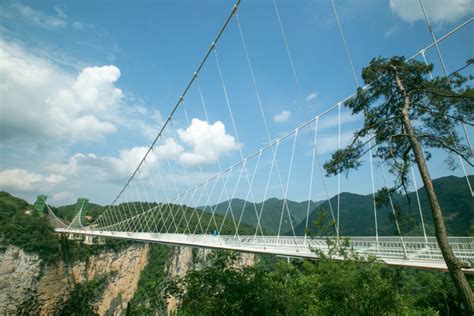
357 216
271 213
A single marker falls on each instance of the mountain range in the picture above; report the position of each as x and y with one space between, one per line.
271 212
357 212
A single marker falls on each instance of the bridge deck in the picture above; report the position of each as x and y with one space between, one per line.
419 252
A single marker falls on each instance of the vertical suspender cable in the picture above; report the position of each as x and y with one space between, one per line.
339 175
311 177
443 65
393 211
373 193
300 94
419 203
346 47
185 91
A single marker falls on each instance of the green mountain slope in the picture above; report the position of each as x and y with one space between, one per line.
271 212
91 212
357 216
25 228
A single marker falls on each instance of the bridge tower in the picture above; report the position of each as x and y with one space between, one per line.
40 205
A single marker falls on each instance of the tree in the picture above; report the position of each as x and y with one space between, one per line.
405 114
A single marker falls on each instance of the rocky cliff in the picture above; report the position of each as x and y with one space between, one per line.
29 286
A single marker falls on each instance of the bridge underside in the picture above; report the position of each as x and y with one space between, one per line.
418 253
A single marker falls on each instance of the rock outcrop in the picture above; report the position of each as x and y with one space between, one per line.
19 273
27 286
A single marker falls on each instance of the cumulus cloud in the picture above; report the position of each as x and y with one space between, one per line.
22 180
311 96
168 150
438 10
41 102
102 168
94 88
199 143
117 168
282 117
208 141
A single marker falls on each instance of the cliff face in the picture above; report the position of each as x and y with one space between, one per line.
19 273
28 286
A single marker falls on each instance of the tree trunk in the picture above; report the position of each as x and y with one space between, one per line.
453 263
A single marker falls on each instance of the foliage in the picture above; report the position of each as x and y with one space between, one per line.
83 298
406 114
149 297
183 219
76 250
67 212
303 287
453 194
426 289
437 107
31 232
271 210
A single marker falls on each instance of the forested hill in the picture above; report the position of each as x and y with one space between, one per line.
271 212
357 215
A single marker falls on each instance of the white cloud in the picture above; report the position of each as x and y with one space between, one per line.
117 168
330 143
40 102
22 180
95 90
128 160
168 150
63 197
311 96
209 142
77 25
394 29
331 121
23 13
60 13
103 168
282 117
39 18
438 10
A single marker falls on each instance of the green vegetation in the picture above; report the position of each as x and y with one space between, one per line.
273 286
67 212
187 220
26 229
82 298
303 287
149 298
271 212
357 218
407 112
21 226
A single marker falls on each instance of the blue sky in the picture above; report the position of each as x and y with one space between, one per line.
85 86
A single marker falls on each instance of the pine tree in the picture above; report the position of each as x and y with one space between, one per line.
405 114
